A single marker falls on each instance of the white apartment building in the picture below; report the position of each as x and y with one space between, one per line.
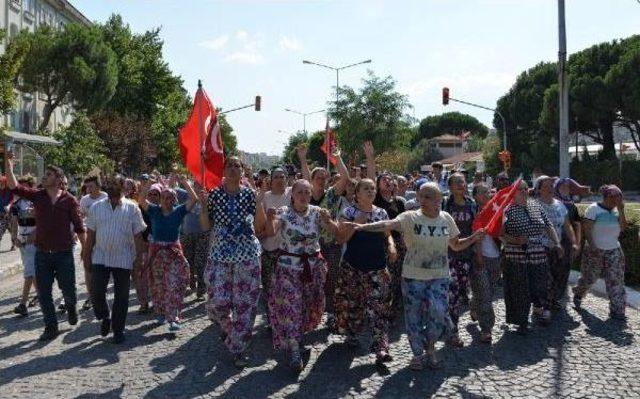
21 124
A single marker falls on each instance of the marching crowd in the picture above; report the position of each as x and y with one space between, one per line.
366 247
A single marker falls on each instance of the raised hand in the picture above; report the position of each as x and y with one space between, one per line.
301 150
369 151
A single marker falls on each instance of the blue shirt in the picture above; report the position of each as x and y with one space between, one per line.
166 228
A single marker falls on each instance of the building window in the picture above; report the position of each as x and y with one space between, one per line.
13 30
29 5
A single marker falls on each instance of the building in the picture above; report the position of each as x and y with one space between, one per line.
21 124
464 161
259 160
450 145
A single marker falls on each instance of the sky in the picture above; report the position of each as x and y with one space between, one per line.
244 48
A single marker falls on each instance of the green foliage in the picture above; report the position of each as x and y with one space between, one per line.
314 154
228 138
10 63
490 149
449 123
71 66
422 154
375 112
289 154
81 149
394 161
595 173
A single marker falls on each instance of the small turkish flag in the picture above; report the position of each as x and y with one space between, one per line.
330 144
490 217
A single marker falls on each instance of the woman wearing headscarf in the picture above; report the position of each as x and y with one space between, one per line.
232 274
428 233
559 266
142 276
525 225
296 299
602 255
363 289
463 210
167 263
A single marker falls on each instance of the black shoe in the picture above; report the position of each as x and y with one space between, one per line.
72 318
49 334
105 327
118 338
62 308
577 302
21 310
86 305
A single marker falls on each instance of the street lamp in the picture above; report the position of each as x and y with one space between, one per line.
337 69
304 116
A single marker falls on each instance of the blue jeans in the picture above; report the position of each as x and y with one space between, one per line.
59 266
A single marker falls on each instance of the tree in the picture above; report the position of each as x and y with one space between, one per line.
289 154
73 66
490 149
230 141
376 112
394 161
10 64
450 122
423 154
81 149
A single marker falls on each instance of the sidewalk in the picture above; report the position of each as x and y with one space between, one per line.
10 263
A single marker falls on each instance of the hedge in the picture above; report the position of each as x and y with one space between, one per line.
596 173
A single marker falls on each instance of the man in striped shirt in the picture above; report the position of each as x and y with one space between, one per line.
113 248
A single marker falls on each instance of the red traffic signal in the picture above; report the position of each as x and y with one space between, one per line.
445 95
258 103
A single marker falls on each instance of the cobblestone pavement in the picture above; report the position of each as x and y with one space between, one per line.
582 355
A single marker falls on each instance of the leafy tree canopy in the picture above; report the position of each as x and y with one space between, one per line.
449 123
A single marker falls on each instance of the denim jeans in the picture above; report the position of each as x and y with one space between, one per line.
58 266
121 279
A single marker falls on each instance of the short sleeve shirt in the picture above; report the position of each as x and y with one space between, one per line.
557 214
606 226
299 234
528 220
166 228
427 241
86 202
24 210
233 238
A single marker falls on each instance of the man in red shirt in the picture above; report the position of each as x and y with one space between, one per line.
55 210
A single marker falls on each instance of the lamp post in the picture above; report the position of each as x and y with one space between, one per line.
304 116
337 69
563 94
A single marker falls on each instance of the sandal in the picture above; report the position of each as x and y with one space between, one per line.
383 357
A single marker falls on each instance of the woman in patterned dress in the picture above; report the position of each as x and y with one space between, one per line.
296 301
526 268
363 289
232 274
166 261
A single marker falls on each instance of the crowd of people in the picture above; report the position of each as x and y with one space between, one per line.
360 248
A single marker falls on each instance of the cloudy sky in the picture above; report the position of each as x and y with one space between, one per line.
241 48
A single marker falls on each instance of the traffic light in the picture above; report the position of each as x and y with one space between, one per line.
445 95
258 103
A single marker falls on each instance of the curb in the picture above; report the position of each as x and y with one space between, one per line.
599 289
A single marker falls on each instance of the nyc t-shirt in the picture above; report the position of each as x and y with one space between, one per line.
427 241
606 226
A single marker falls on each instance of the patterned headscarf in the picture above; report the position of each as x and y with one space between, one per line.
567 199
170 191
538 184
610 190
156 187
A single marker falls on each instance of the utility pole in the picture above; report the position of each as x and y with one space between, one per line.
563 97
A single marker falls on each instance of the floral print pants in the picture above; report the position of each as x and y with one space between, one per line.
234 291
332 252
483 285
364 296
142 278
458 287
426 312
196 249
295 307
610 265
170 272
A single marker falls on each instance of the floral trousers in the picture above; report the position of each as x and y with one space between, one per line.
458 287
364 296
395 269
196 249
295 307
170 272
610 265
332 252
233 293
483 285
426 312
142 278
268 259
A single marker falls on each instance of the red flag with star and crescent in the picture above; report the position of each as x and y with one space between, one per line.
330 144
201 143
490 217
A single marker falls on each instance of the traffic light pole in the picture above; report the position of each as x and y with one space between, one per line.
504 123
563 95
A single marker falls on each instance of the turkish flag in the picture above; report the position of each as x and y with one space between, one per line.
490 217
201 144
330 144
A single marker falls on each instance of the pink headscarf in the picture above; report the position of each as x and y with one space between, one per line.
610 190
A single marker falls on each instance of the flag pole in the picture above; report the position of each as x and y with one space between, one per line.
201 132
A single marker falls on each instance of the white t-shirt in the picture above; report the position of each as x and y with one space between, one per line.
606 226
271 200
86 202
489 247
427 241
